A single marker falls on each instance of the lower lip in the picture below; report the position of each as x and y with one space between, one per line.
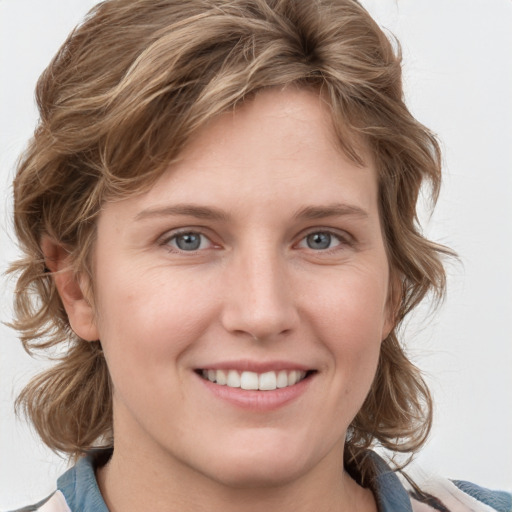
258 400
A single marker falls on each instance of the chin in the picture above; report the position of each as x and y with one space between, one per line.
260 463
251 475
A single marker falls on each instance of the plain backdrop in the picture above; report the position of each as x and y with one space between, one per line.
458 80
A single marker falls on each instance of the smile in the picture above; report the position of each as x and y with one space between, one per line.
267 381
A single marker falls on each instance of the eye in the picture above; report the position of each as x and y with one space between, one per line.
320 241
188 241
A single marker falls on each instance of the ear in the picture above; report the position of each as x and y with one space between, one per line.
72 289
393 303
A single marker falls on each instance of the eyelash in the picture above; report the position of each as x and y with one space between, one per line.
167 240
344 240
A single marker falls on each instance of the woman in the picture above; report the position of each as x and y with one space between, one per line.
218 214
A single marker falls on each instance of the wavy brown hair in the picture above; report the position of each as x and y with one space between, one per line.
128 88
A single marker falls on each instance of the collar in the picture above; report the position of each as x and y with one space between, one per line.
79 484
389 493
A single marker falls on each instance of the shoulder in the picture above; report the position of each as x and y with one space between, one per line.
454 495
77 489
418 491
53 503
498 500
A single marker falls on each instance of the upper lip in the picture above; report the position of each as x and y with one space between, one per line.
245 365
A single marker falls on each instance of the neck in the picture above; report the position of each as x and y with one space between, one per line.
134 481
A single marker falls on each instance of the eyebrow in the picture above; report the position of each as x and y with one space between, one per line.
189 210
212 213
334 210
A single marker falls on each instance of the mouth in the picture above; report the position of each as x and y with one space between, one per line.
253 381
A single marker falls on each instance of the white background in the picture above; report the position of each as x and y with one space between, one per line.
458 78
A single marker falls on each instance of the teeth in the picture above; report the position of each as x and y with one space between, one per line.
282 379
249 380
221 377
233 379
267 381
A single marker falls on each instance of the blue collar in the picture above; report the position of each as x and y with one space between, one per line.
80 487
389 493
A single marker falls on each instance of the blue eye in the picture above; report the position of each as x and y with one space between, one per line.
320 240
190 241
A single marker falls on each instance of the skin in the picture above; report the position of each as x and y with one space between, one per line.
254 290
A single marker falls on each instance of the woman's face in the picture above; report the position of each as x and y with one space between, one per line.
256 261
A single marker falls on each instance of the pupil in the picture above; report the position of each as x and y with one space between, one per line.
319 240
188 242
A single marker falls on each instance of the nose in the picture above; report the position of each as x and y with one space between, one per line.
259 301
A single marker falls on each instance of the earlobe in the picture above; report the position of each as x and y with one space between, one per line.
72 289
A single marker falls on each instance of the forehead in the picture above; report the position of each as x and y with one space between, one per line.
279 148
278 138
303 113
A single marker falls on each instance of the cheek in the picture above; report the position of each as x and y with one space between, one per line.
350 322
351 306
146 324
